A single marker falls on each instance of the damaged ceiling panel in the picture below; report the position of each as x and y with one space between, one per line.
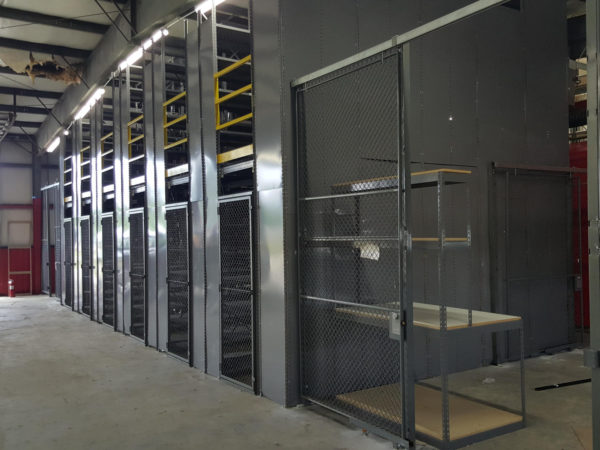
43 48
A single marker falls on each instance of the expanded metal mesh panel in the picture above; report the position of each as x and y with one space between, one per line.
108 271
138 274
68 231
237 309
86 263
178 289
349 138
58 243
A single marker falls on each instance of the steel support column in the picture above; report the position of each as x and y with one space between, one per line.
593 44
76 181
118 179
123 143
194 99
96 219
151 278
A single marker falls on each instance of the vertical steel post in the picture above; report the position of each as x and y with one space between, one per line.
593 164
151 235
124 118
194 112
96 208
60 201
76 188
118 180
158 90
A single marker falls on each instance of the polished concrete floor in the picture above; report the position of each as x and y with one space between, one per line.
66 383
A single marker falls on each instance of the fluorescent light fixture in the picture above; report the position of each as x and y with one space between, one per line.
165 32
157 35
88 105
147 44
53 145
66 132
135 56
207 5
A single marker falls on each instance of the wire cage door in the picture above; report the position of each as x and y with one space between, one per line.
237 290
86 266
68 263
46 288
178 280
108 270
56 225
138 273
352 246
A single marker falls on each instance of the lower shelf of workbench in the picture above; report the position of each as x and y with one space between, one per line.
467 417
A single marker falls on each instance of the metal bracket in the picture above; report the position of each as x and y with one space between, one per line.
396 325
591 358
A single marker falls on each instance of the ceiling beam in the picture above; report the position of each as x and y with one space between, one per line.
23 109
26 124
53 21
44 48
29 92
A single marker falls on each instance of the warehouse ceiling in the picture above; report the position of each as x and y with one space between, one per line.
43 45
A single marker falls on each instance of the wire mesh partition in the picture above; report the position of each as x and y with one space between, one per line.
86 267
178 280
138 273
58 224
350 258
68 263
108 270
237 295
385 316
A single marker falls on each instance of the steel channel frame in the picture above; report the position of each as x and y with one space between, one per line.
76 188
197 216
593 164
158 90
151 210
124 117
96 213
118 199
248 197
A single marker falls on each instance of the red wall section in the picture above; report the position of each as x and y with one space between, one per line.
578 158
3 271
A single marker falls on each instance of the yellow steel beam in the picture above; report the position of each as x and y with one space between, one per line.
233 94
103 138
174 99
174 121
135 139
175 144
135 120
233 122
84 149
235 154
233 66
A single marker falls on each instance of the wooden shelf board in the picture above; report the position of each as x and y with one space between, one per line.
467 417
428 316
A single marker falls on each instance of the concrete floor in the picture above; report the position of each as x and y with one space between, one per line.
66 383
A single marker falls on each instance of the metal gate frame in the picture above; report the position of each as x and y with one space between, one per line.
108 273
45 260
143 276
69 267
186 207
249 197
86 265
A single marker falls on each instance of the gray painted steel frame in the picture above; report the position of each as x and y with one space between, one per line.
119 188
76 187
196 167
158 92
61 201
151 210
211 236
96 210
593 164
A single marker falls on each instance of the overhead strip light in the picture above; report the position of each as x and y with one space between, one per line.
207 5
138 52
88 105
53 145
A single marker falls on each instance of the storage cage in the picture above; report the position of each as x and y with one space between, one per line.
68 263
108 270
384 317
86 266
178 280
237 290
137 242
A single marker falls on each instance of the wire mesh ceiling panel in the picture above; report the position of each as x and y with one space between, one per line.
237 299
45 243
68 263
178 277
108 270
138 274
86 267
349 134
